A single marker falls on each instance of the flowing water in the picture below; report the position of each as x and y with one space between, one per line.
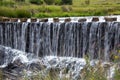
98 40
94 39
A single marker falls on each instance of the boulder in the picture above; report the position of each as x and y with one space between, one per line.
2 56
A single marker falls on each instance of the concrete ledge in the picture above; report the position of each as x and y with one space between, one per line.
84 19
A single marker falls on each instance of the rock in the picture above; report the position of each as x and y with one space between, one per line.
2 55
35 67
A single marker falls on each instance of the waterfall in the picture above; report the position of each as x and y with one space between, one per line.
98 40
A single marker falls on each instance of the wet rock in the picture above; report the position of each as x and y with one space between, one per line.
2 55
16 67
52 62
10 66
35 66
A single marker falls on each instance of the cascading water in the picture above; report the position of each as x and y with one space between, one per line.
95 39
98 40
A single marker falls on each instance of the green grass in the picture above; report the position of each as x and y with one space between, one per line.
79 8
58 11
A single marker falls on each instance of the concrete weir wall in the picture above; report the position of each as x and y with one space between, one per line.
74 37
75 19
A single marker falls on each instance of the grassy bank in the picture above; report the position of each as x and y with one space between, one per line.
29 10
96 72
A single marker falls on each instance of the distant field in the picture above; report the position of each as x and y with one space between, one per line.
95 2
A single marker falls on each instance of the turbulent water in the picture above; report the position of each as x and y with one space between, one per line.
72 39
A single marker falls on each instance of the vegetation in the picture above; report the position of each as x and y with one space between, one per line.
39 8
37 2
96 72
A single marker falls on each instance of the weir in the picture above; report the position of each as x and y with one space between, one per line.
98 40
62 44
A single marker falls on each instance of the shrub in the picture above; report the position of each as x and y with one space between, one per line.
117 73
87 2
58 2
37 1
23 13
7 12
49 2
67 2
7 3
20 0
66 8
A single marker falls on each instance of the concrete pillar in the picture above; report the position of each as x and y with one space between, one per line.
95 19
33 20
44 20
67 20
55 19
110 19
82 20
14 19
23 20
